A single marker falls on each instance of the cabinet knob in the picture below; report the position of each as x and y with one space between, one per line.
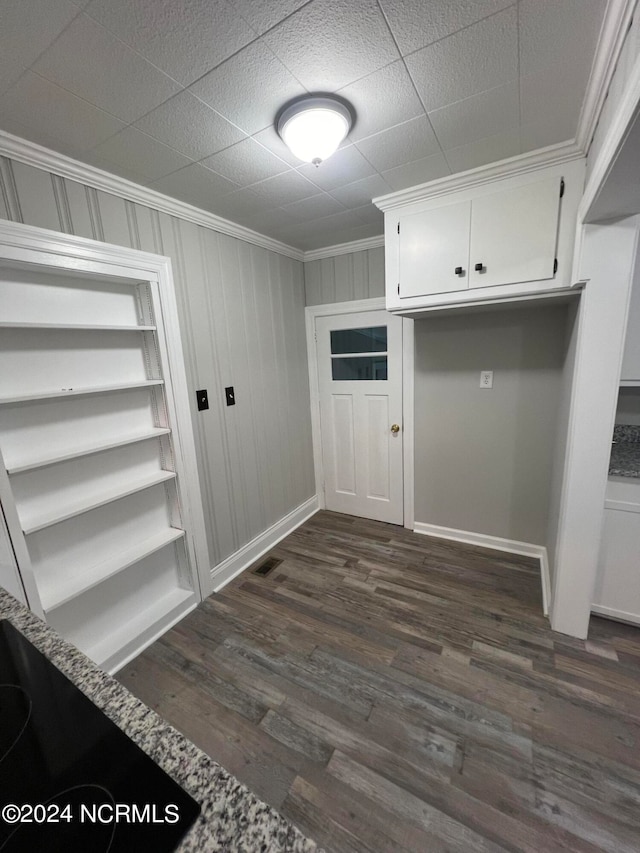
459 271
479 267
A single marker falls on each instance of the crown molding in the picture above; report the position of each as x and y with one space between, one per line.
66 167
617 19
344 248
553 155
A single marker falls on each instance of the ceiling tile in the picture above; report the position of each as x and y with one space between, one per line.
369 214
554 93
242 205
346 165
49 111
382 99
90 62
99 162
477 117
361 192
416 24
190 126
418 172
27 28
313 208
134 150
478 58
539 134
195 185
185 38
246 163
330 43
271 140
552 32
249 88
285 188
412 140
488 150
264 14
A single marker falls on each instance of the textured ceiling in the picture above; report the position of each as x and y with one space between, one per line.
180 95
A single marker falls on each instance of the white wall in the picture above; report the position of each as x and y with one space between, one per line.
484 458
241 313
357 275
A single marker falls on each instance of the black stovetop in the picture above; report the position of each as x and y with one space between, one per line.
70 779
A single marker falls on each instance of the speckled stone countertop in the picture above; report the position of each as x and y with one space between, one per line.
625 452
232 819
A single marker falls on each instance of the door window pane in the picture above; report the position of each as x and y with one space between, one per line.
368 368
373 339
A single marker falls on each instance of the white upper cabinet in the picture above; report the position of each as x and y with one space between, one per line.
496 240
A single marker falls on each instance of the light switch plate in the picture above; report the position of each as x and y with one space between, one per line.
486 378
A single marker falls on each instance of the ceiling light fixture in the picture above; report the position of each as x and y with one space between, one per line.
313 127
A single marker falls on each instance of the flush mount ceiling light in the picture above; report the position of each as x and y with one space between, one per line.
314 126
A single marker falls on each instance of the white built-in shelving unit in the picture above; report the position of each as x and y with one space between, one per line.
98 483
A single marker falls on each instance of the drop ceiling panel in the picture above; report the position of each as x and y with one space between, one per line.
144 88
249 88
416 24
51 112
417 172
185 38
330 43
478 117
481 57
27 28
93 64
412 140
246 163
133 149
264 14
190 126
382 99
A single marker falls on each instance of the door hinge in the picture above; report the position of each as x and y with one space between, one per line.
555 266
398 227
561 187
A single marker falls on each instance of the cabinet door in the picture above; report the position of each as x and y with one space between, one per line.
617 591
433 245
514 234
631 359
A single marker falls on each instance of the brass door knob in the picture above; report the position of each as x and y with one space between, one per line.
395 428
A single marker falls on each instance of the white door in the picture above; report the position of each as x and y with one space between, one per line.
360 387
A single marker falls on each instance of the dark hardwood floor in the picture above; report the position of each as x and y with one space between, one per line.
386 691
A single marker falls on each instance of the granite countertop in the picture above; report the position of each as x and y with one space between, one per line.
625 452
232 818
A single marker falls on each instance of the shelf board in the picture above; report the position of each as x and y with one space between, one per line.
140 631
75 392
630 383
87 450
82 327
56 591
47 519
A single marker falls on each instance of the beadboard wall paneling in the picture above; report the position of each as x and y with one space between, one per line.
358 275
628 57
241 313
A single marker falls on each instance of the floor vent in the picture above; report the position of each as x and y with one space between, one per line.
267 566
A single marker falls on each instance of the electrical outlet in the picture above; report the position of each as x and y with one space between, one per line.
486 378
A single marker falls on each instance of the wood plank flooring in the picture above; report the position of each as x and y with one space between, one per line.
387 691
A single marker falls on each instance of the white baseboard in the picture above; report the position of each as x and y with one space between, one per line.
618 615
230 568
511 546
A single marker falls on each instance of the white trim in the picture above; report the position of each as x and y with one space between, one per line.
617 18
521 164
511 546
230 568
59 164
355 306
619 126
408 422
344 248
612 613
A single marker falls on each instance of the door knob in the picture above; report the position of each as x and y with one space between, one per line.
395 428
